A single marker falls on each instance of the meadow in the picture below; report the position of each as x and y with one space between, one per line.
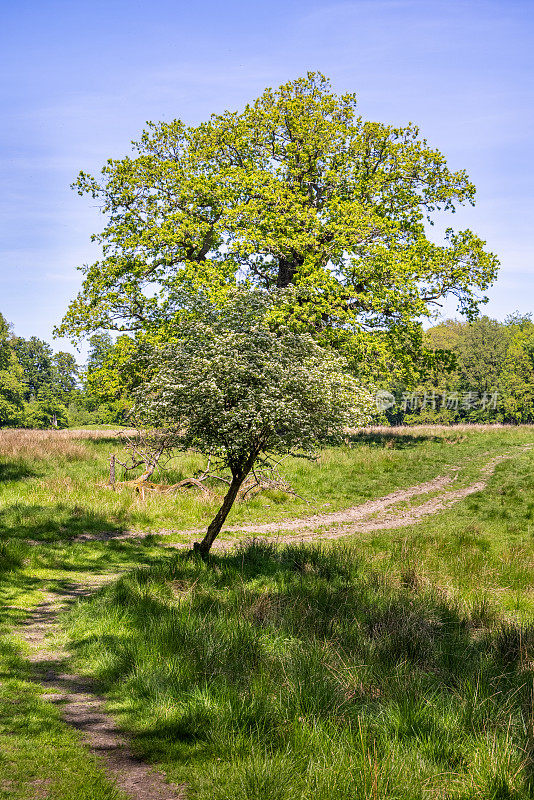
394 663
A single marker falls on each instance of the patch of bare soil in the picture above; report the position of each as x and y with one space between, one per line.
366 517
82 708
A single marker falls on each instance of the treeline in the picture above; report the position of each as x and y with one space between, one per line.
480 371
485 374
43 389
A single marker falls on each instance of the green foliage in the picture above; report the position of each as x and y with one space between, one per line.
11 377
35 375
239 389
35 358
100 345
485 358
235 387
5 343
49 382
517 372
37 386
45 412
11 394
295 191
65 375
111 373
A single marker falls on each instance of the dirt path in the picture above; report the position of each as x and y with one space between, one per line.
83 709
366 517
359 512
356 520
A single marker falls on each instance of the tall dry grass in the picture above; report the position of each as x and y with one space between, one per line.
48 444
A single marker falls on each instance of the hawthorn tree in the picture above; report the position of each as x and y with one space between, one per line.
237 388
298 192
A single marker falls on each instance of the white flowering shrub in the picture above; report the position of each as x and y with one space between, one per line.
240 389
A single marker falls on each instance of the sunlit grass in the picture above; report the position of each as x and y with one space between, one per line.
480 551
54 488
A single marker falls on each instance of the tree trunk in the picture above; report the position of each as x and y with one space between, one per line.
286 272
203 547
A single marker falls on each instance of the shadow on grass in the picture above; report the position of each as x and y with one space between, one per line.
266 640
38 751
393 440
60 523
15 471
14 583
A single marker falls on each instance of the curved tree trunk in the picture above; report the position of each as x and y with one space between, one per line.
203 547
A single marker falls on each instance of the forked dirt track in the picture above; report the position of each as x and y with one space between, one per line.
84 710
373 515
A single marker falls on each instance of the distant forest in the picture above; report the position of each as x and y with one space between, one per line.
480 371
43 389
487 374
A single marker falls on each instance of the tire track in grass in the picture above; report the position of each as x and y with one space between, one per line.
367 509
369 516
356 520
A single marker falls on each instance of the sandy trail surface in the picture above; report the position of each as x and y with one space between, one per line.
372 515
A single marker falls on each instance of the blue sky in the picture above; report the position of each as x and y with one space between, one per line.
79 79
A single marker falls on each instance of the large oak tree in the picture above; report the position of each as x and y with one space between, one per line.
294 192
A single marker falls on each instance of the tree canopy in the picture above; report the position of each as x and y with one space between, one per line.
490 377
35 356
65 374
110 374
294 192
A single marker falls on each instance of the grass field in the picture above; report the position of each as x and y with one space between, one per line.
394 664
53 484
